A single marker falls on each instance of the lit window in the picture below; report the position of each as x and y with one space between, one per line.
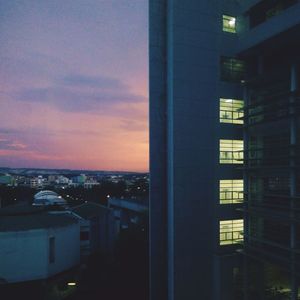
231 231
232 69
231 151
229 24
231 111
231 191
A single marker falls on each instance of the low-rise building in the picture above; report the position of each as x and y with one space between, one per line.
127 212
47 197
36 244
7 179
96 228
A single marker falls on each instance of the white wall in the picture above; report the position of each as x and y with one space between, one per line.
67 248
24 255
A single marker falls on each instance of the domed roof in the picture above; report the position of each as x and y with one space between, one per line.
48 198
46 193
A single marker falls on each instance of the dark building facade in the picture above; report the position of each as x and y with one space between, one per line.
224 149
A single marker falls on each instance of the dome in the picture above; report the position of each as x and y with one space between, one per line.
48 198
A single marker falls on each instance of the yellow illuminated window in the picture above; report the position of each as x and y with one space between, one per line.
231 231
231 111
231 151
231 191
229 24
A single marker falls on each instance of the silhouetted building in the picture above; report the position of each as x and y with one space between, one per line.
128 212
97 230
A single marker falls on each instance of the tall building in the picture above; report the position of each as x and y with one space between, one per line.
224 149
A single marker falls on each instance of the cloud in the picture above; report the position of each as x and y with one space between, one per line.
7 144
73 84
134 125
99 82
79 93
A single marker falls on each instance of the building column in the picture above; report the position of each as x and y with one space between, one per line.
293 181
246 195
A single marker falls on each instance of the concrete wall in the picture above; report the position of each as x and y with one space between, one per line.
193 74
287 19
187 115
102 234
158 151
24 255
67 248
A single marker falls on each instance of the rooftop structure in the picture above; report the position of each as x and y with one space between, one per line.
48 198
97 230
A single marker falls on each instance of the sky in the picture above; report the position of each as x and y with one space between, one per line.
74 84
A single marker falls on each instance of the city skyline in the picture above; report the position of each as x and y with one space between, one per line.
73 83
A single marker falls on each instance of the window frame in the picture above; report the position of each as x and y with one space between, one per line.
51 249
232 108
232 69
231 151
231 191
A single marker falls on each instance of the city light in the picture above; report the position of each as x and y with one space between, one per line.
231 22
71 283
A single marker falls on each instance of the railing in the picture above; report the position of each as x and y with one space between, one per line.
273 155
272 108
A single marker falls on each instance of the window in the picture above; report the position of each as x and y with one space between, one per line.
84 235
231 191
229 24
231 151
51 250
231 232
231 111
232 70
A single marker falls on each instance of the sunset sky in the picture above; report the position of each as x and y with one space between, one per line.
73 84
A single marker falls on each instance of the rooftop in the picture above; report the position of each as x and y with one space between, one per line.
89 210
37 221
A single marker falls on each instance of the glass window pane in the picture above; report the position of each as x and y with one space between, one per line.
232 69
229 24
231 231
231 151
231 111
231 191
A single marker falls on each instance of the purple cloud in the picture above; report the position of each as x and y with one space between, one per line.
81 93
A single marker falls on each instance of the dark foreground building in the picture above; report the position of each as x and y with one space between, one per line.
224 149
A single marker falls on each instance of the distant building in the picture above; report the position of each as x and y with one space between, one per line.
62 180
48 198
96 228
38 182
7 179
80 179
36 245
52 178
90 184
